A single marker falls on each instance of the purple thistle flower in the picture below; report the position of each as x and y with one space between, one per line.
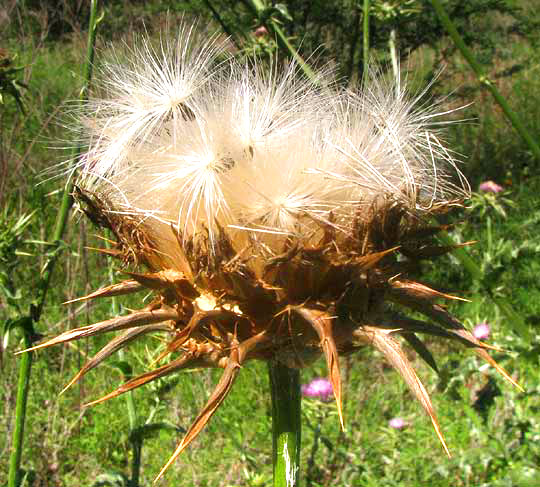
397 423
318 389
490 187
481 331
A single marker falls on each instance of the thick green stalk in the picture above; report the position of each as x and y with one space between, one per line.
259 8
286 424
483 79
20 408
365 37
136 447
36 308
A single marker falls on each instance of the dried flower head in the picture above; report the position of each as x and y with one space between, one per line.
272 218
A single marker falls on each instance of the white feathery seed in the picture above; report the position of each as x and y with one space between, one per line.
278 193
177 139
144 91
266 107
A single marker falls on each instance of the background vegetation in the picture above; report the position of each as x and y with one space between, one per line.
492 430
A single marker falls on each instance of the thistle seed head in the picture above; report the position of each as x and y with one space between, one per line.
272 218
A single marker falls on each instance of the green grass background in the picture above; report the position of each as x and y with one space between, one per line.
492 429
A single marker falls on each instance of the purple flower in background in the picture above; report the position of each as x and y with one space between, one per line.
490 187
481 331
318 389
397 423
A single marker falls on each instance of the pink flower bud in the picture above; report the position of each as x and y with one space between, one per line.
490 187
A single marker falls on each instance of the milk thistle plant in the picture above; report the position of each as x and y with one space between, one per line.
271 217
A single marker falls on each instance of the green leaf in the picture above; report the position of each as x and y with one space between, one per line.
283 11
39 242
276 13
10 324
11 296
20 253
165 385
27 478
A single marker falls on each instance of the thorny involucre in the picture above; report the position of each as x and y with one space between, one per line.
273 217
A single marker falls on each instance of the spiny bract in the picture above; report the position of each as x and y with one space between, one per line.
275 217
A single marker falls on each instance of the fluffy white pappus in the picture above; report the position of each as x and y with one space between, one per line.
142 90
408 130
178 140
195 171
362 158
283 191
267 107
185 180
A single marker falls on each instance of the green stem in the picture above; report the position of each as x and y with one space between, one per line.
67 198
460 253
136 463
136 442
20 409
36 308
130 403
259 8
221 22
286 424
365 43
483 79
